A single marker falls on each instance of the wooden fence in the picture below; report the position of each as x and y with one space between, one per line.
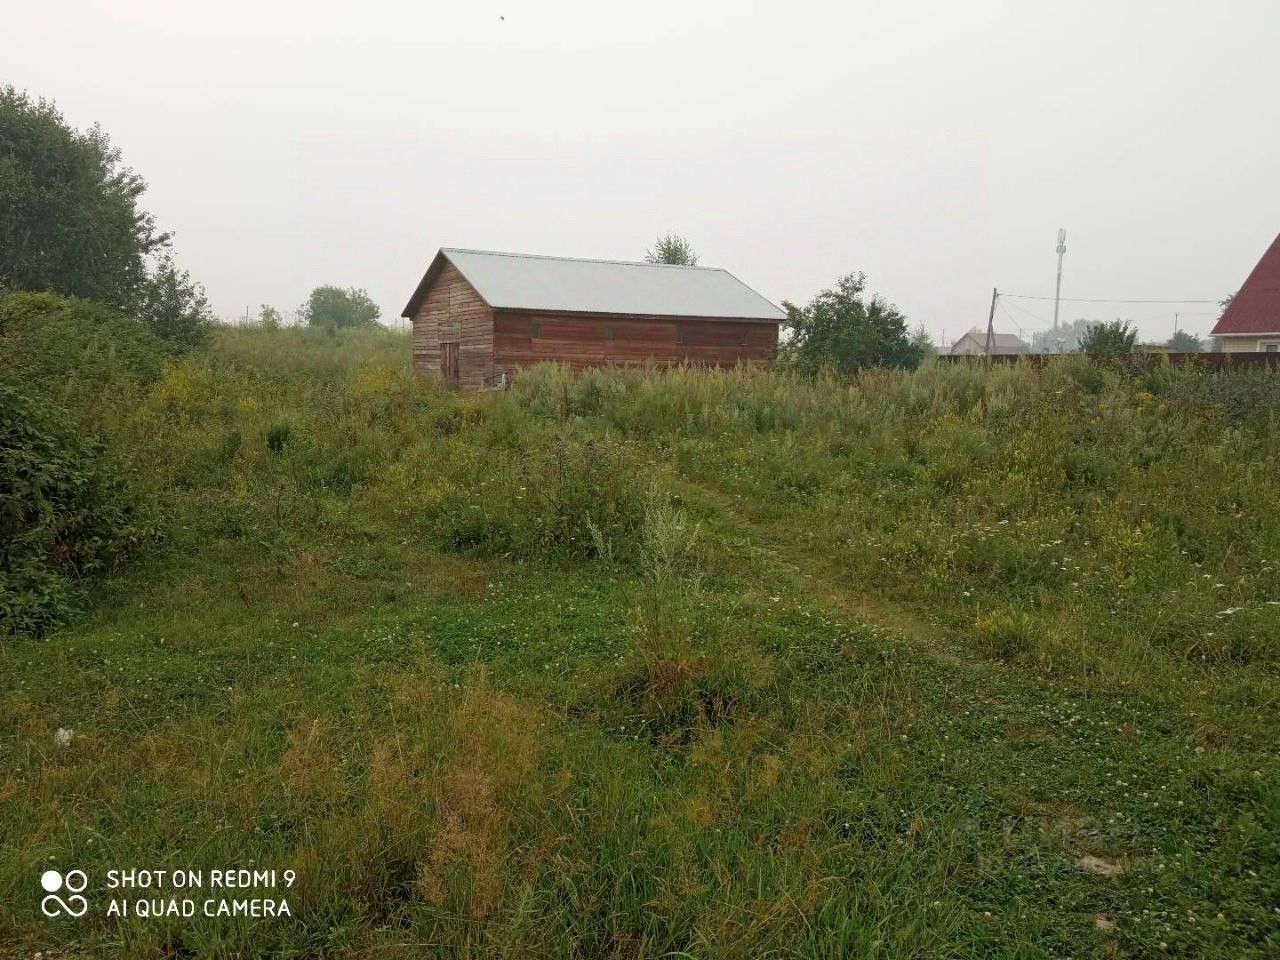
1236 361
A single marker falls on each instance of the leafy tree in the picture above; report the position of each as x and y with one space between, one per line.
1114 339
69 216
1066 338
924 343
1183 342
334 307
172 305
672 249
847 330
269 318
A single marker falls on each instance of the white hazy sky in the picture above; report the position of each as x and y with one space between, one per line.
935 146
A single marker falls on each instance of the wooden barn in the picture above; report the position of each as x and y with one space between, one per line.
479 315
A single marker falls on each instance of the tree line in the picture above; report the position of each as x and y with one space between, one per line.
844 328
72 223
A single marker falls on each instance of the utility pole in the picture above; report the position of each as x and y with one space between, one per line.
1057 291
991 319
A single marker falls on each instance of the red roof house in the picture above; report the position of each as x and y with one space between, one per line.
1251 321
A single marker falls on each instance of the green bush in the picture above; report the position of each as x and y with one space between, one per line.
1241 396
1113 339
64 516
74 349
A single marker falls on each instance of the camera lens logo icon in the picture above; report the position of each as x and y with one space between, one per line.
73 883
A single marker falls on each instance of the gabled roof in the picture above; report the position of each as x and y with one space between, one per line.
1256 307
519 281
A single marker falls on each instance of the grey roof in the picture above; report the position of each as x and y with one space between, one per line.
518 281
1000 342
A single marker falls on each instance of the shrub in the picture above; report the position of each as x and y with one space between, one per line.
64 516
1113 339
74 349
1241 396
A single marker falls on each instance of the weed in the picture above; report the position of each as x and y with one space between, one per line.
653 663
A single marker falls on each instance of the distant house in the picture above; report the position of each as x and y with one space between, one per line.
974 344
478 315
1251 321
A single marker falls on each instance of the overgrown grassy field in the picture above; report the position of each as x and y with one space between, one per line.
951 663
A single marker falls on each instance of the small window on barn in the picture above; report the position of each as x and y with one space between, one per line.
535 330
742 337
680 335
608 333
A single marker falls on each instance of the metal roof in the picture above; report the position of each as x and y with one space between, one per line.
1256 306
1000 342
520 281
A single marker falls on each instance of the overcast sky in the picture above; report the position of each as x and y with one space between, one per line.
937 147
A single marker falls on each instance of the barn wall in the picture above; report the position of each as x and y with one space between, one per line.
453 311
581 340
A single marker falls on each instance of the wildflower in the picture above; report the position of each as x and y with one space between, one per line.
63 737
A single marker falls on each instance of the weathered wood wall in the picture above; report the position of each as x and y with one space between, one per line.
452 311
583 340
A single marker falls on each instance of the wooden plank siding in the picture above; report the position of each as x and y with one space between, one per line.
583 340
452 312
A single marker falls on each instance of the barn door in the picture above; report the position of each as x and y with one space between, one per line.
449 361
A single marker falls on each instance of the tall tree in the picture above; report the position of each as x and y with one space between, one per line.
672 249
69 215
331 306
848 330
1184 342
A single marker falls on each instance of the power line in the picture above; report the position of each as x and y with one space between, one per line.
1011 319
1033 316
1025 296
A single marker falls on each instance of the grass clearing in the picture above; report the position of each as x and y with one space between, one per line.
695 663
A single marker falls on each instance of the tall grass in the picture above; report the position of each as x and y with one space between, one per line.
1081 502
642 663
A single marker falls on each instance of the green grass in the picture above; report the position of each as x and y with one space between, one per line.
643 664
